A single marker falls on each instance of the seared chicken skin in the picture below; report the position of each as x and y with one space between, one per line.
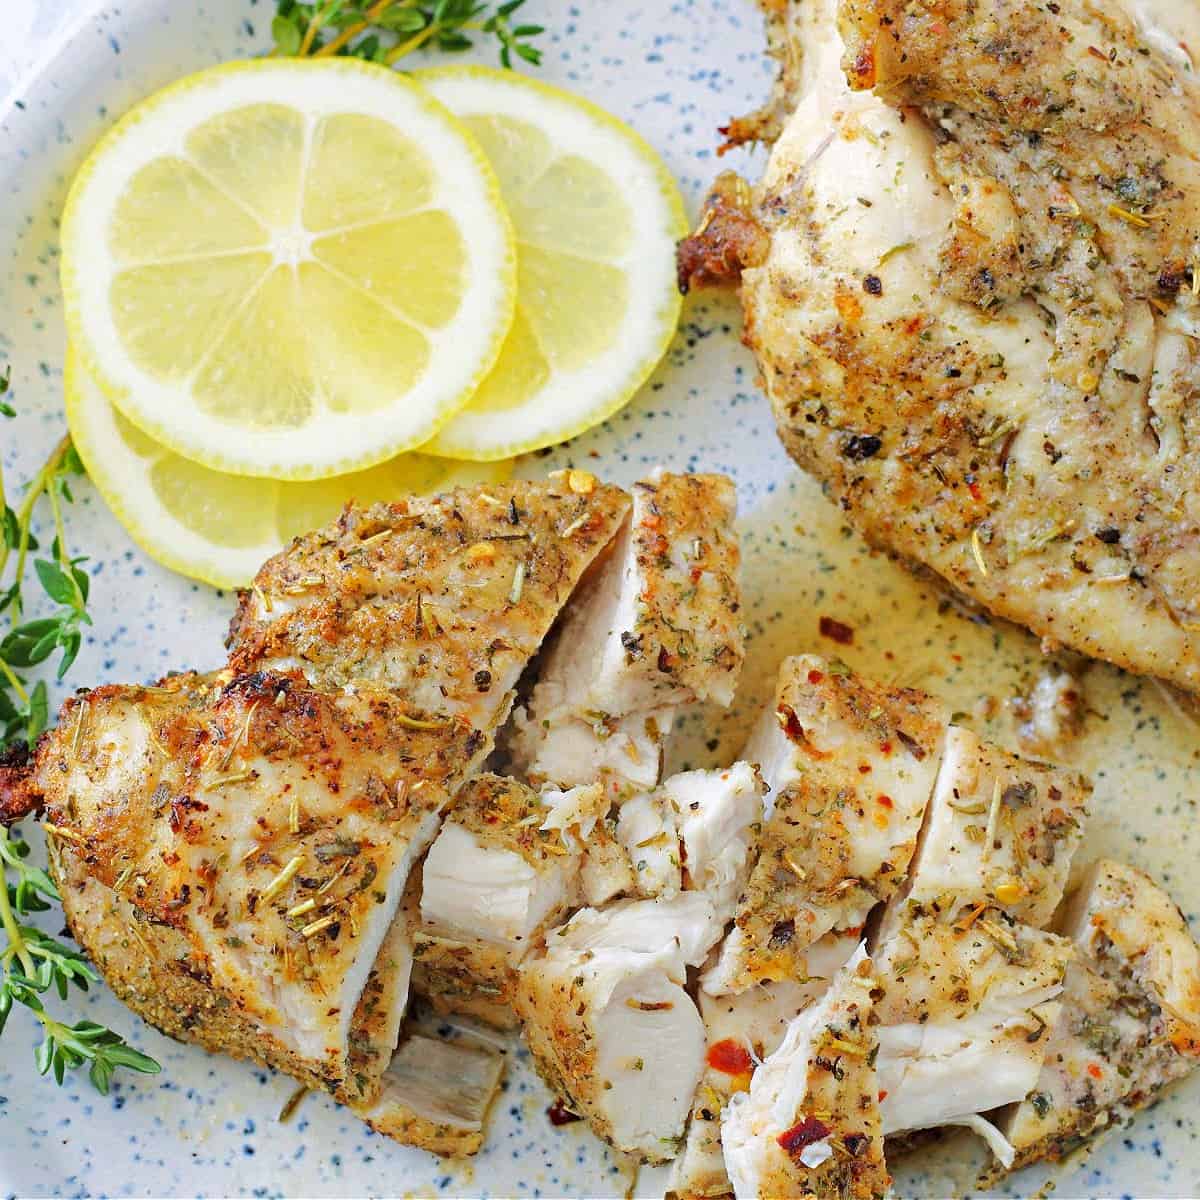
1130 1021
849 765
976 314
658 626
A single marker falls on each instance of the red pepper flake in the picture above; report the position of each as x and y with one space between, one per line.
886 801
976 494
1093 1069
790 724
806 1131
882 1096
836 631
885 747
730 1057
815 676
560 1114
864 768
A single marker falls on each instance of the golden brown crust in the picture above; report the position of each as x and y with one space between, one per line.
19 795
727 239
445 597
687 630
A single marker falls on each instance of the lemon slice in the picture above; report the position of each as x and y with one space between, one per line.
288 268
596 216
216 527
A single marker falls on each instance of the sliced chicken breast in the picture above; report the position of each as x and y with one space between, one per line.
1001 832
262 834
438 1088
697 831
1130 1020
965 1017
609 1023
809 1124
495 876
741 1031
659 626
444 598
850 766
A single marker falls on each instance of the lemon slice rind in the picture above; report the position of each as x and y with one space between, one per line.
123 477
329 443
573 400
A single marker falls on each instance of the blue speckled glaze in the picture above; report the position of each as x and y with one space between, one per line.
207 1125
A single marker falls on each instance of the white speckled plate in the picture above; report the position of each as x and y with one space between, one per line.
208 1125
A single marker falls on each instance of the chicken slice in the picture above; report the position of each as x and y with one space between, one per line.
965 1017
850 765
443 598
658 626
1001 831
495 876
1130 1020
609 1023
809 1124
438 1088
697 832
606 871
261 834
383 1004
741 1031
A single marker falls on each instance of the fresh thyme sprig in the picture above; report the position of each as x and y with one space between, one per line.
384 31
33 963
23 707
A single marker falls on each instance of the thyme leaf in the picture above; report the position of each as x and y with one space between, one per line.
384 31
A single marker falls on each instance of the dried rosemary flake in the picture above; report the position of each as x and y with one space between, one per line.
304 584
1001 937
416 723
294 815
77 735
305 906
1130 218
333 878
288 1111
224 780
518 583
977 551
969 810
795 868
989 834
68 835
281 880
845 1047
318 926
263 599
575 525
125 876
